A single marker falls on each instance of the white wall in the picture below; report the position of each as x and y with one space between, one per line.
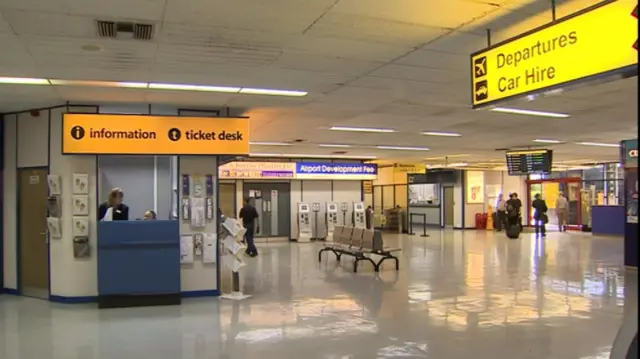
9 209
33 139
198 276
310 191
458 203
71 277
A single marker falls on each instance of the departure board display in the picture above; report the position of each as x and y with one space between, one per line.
530 161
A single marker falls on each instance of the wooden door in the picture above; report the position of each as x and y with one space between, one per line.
32 228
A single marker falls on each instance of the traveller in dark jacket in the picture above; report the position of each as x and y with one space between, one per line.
540 215
249 215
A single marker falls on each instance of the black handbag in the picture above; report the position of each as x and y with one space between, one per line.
544 218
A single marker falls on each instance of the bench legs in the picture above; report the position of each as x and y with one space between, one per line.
325 249
363 258
384 258
360 257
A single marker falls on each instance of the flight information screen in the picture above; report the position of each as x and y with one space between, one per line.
530 161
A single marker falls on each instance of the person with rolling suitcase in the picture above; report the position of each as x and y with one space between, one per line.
513 228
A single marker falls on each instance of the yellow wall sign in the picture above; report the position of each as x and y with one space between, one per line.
154 135
594 41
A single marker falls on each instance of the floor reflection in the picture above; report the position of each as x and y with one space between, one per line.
458 294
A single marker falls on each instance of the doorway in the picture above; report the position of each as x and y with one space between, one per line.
227 199
33 241
448 206
550 190
273 203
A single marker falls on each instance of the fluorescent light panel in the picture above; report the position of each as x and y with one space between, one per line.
23 81
187 87
529 112
443 134
402 148
270 143
361 129
542 140
271 92
153 86
333 145
598 144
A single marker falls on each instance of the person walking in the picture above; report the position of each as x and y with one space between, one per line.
516 203
501 213
540 218
562 211
249 215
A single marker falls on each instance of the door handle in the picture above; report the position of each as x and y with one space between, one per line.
43 233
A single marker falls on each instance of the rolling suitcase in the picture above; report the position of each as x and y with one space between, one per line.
513 232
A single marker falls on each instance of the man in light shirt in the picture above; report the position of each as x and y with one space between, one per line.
562 211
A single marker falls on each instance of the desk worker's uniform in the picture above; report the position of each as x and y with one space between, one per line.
118 213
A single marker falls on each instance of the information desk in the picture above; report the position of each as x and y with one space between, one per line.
607 220
138 263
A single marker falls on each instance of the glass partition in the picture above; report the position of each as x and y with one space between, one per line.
424 194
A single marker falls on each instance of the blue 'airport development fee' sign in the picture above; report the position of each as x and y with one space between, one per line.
317 169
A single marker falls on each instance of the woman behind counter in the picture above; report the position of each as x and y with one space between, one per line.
120 210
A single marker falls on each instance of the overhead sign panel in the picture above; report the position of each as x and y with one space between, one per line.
258 170
598 40
342 171
154 135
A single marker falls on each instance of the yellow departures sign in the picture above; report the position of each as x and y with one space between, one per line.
594 41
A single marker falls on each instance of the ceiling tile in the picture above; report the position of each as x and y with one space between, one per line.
448 14
374 30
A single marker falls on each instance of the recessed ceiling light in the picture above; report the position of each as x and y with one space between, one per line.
542 140
443 134
598 144
186 87
457 164
23 81
529 112
270 143
333 145
361 129
271 92
91 48
402 148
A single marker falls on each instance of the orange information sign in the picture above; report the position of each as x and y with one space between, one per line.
154 135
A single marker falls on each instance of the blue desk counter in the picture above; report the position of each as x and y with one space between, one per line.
138 263
608 220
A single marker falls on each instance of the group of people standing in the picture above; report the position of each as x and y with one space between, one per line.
509 213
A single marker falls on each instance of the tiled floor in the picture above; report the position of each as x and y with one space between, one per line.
457 295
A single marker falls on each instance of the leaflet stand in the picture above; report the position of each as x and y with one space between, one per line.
358 215
233 258
315 207
304 226
344 207
331 220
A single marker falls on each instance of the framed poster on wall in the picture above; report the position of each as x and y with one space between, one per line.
475 187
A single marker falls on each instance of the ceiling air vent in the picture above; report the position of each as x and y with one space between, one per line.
106 29
142 31
337 153
124 30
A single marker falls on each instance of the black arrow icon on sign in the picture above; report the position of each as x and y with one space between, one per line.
635 14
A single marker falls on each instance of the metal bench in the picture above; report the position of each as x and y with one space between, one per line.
359 243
